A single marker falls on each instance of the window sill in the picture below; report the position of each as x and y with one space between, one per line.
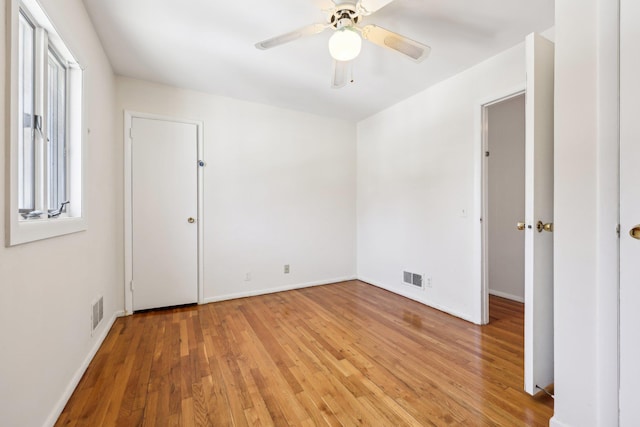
25 231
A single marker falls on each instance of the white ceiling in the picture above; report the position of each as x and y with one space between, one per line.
208 45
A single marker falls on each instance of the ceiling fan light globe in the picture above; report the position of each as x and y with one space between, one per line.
345 45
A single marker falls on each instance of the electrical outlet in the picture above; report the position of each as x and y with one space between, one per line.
247 277
428 282
287 270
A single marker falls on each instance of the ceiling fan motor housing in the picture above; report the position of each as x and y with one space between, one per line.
344 16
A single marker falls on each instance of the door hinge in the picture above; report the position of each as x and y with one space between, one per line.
486 154
130 133
618 230
131 285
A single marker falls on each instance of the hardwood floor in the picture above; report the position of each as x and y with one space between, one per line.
340 355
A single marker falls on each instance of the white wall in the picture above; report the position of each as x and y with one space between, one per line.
46 287
505 188
279 189
418 186
586 198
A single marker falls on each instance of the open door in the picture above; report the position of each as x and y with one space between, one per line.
538 265
629 212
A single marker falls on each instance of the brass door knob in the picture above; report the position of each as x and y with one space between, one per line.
520 226
635 232
191 220
546 227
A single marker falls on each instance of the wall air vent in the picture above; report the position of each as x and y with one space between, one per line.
97 313
412 279
406 277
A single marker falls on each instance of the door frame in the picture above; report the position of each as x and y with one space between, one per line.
626 137
128 212
481 279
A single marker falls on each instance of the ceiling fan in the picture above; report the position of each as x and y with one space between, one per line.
346 41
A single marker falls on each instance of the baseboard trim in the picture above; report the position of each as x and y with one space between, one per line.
75 380
278 289
414 298
553 422
506 295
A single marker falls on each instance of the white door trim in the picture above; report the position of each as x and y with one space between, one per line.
481 285
628 372
128 234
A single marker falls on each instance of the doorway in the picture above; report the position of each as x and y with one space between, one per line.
504 196
537 224
163 212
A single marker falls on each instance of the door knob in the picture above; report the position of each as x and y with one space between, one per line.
635 232
191 220
546 227
520 226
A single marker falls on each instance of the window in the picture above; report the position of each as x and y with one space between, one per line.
56 132
26 143
46 129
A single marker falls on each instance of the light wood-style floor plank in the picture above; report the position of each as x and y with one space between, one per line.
337 355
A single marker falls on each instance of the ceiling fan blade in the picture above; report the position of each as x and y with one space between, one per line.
342 74
367 7
385 38
324 5
309 30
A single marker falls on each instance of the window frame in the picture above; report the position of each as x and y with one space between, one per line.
29 194
53 54
19 230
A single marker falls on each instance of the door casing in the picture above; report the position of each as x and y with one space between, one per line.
128 229
629 248
481 315
484 143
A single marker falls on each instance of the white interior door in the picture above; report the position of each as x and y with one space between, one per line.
164 180
538 330
629 212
